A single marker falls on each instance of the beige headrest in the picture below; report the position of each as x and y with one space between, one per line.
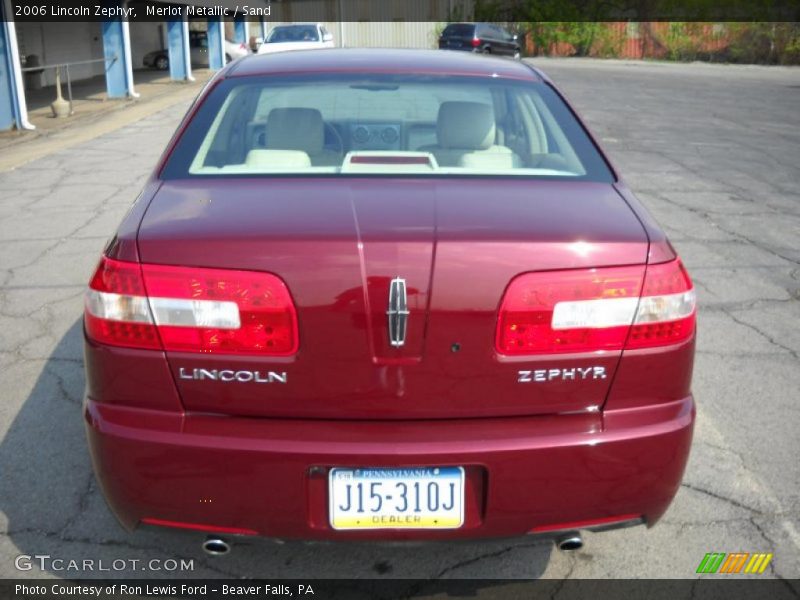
295 129
468 125
499 158
277 159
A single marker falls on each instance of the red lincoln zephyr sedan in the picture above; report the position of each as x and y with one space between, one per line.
387 295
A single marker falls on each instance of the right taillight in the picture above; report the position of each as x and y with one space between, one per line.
591 310
666 312
476 42
190 309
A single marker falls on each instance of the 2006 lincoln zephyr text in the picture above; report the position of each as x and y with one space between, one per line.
387 295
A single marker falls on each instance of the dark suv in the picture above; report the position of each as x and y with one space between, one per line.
480 37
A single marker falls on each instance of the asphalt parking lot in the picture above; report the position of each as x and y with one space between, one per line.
713 151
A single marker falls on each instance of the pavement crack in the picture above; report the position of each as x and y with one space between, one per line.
63 390
479 558
744 305
730 501
772 546
729 450
763 334
83 505
560 585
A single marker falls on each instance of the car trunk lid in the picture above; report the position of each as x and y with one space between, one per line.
339 243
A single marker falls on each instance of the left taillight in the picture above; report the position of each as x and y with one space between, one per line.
116 308
190 309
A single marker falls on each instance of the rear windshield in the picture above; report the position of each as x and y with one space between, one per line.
459 30
385 125
293 33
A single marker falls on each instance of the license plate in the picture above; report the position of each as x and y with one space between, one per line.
397 498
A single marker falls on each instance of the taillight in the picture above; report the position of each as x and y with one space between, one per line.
568 311
476 42
666 312
117 312
589 310
190 309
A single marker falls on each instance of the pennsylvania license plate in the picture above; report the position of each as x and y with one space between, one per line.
397 498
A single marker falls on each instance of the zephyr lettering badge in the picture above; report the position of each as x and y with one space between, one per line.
573 374
228 375
397 312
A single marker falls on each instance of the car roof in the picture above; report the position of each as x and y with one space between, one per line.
474 24
298 24
376 60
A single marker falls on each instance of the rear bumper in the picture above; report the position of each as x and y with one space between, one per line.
270 476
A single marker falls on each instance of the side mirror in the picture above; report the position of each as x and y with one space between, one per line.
515 37
328 37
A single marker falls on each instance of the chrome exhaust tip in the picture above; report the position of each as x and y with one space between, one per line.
214 546
570 542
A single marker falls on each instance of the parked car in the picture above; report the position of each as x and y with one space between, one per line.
158 59
387 295
485 38
234 50
198 51
298 36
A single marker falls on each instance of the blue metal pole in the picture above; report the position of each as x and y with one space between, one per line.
8 94
177 53
187 50
216 43
240 30
13 109
117 52
114 52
